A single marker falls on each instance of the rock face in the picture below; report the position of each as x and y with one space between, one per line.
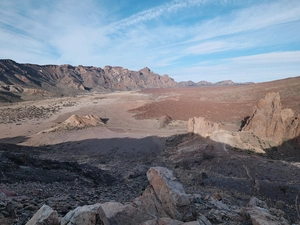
269 121
165 196
77 122
203 127
67 79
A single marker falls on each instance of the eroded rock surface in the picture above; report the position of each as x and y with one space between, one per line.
269 121
203 127
165 196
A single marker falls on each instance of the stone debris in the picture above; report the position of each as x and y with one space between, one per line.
165 202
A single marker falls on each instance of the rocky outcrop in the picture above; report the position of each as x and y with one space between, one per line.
77 122
269 121
203 127
164 203
164 121
165 197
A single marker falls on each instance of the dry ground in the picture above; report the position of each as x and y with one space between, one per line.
225 104
133 140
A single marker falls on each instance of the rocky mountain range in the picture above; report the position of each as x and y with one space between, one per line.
206 83
31 81
18 80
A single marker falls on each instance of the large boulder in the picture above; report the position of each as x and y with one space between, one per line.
203 127
165 197
270 122
44 216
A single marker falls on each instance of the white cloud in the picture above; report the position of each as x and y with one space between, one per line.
89 33
257 68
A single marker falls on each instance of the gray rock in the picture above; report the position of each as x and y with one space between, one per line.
119 214
87 215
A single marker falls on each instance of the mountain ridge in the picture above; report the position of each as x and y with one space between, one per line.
46 80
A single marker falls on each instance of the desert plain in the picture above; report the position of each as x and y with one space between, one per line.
44 161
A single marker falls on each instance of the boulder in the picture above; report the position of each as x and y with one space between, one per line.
259 214
87 215
203 127
165 197
270 122
119 214
164 121
44 216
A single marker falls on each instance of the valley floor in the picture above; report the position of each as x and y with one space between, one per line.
68 168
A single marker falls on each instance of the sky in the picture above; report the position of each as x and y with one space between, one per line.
212 40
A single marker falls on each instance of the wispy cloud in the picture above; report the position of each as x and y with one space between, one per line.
260 67
176 37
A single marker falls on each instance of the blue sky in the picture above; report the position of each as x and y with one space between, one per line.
241 40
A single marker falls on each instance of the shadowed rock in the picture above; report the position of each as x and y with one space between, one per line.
87 215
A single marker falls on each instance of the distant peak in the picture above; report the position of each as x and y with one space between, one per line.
145 70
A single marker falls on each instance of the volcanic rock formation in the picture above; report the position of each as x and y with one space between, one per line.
77 122
203 127
270 122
